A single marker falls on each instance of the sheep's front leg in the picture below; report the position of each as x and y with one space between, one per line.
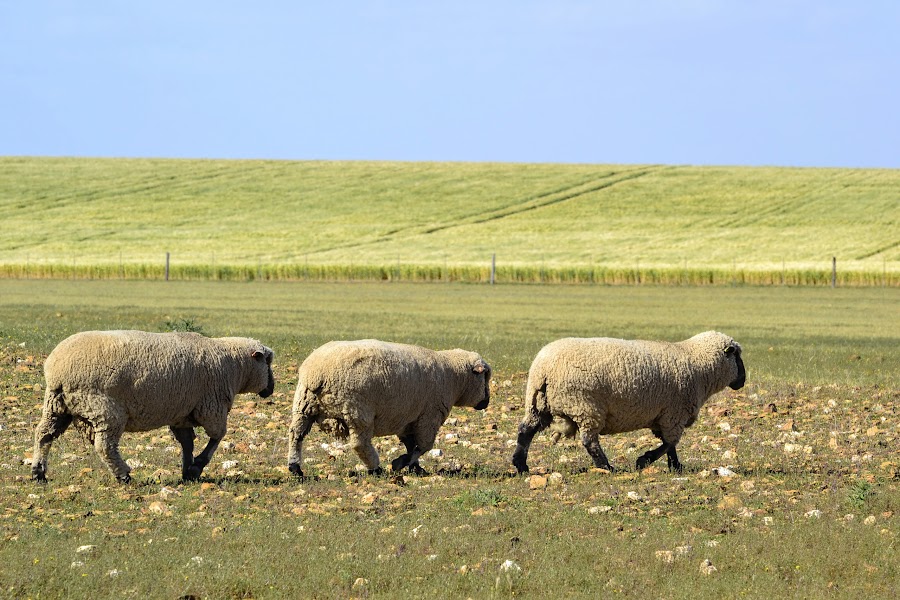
674 463
666 447
300 426
651 455
591 443
403 461
202 459
51 426
185 436
528 428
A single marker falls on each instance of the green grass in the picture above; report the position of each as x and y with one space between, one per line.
815 428
676 225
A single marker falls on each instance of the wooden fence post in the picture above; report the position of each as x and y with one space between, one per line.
833 271
493 267
167 266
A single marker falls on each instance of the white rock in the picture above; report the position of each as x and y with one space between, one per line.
599 510
229 464
723 472
510 566
87 549
435 453
724 426
707 568
813 514
134 463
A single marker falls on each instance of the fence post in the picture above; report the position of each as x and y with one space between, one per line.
833 271
167 266
493 267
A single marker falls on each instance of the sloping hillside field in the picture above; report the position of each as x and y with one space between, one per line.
117 218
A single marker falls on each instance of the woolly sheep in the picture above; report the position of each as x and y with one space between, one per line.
110 382
604 385
366 388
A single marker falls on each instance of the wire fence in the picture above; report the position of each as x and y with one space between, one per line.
492 271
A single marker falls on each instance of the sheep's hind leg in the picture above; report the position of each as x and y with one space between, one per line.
50 427
530 425
591 443
185 436
106 443
300 427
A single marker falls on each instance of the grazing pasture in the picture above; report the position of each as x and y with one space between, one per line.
311 220
790 486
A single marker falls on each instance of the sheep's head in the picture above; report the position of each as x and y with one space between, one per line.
476 392
262 380
733 353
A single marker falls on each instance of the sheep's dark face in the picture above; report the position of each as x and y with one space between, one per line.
263 361
733 353
478 394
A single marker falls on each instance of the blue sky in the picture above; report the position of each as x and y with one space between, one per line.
781 82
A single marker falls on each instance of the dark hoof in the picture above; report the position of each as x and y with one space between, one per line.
295 469
399 463
520 465
416 469
642 463
192 473
379 472
39 477
124 479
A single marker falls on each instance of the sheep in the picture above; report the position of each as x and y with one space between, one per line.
366 388
604 385
109 382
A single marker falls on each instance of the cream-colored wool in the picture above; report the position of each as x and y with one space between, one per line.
367 388
110 382
603 385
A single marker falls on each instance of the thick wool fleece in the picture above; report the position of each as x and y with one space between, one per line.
117 381
605 385
369 388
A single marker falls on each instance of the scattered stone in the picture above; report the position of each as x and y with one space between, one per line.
537 482
599 510
510 566
667 556
87 549
707 568
813 514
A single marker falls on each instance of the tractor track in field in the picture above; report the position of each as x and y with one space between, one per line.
542 200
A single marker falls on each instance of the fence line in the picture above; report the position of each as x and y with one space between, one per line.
492 271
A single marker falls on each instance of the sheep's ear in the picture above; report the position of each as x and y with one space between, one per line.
729 350
478 368
257 355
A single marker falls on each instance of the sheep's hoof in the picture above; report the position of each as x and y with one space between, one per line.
377 472
295 469
39 477
520 464
192 473
126 478
416 469
399 463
